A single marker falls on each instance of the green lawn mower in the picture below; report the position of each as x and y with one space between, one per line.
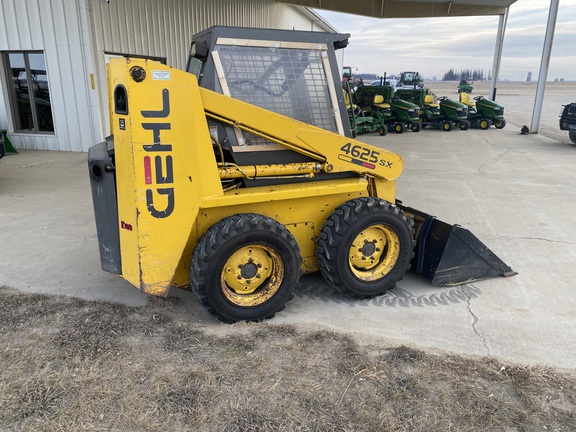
398 115
484 112
465 87
362 121
445 115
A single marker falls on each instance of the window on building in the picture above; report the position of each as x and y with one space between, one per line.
29 93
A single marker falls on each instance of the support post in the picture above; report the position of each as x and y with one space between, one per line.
498 53
544 65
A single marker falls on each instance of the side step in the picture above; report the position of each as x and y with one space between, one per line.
451 255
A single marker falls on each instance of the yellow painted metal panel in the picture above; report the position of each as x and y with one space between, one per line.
168 181
303 213
340 153
165 164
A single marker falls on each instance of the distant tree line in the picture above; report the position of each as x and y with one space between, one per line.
465 74
368 76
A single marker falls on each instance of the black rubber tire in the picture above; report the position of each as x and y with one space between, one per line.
500 124
344 225
383 130
465 125
484 124
416 127
216 247
572 136
447 126
399 128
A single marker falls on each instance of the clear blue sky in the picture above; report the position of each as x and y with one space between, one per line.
434 45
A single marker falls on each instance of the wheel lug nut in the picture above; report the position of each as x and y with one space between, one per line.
258 275
259 265
239 277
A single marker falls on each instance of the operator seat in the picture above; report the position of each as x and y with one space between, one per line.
465 99
429 101
378 102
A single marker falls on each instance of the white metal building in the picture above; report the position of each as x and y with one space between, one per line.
53 93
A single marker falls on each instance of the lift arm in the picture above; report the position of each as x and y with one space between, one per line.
336 152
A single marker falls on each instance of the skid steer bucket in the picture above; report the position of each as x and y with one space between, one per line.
451 255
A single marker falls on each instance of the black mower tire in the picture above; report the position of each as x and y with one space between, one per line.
447 126
500 124
386 237
399 128
382 130
465 125
416 127
572 135
484 124
248 252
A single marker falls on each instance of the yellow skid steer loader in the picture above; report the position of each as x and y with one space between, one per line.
239 185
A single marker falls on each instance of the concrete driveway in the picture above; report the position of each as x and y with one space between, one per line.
517 193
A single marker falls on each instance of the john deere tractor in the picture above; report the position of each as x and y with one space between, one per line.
484 112
465 87
362 120
444 114
397 114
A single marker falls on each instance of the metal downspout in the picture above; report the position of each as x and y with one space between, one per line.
498 53
544 65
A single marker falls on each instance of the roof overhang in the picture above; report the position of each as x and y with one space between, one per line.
409 8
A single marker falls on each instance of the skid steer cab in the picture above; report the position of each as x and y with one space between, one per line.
196 188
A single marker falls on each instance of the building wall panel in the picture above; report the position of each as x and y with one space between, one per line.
164 28
53 27
76 34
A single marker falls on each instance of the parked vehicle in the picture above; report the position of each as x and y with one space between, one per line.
483 112
568 120
410 80
222 194
465 87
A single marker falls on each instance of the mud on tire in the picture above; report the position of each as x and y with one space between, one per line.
245 267
365 247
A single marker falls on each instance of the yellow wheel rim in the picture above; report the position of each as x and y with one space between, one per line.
252 275
484 124
374 252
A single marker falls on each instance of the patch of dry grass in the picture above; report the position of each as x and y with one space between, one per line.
75 365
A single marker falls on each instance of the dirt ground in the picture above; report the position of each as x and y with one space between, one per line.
518 100
72 365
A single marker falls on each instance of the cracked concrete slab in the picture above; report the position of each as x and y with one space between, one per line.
517 193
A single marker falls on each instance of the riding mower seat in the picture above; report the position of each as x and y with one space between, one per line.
378 102
429 101
465 99
348 102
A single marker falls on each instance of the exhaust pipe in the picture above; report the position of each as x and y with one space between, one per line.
451 255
